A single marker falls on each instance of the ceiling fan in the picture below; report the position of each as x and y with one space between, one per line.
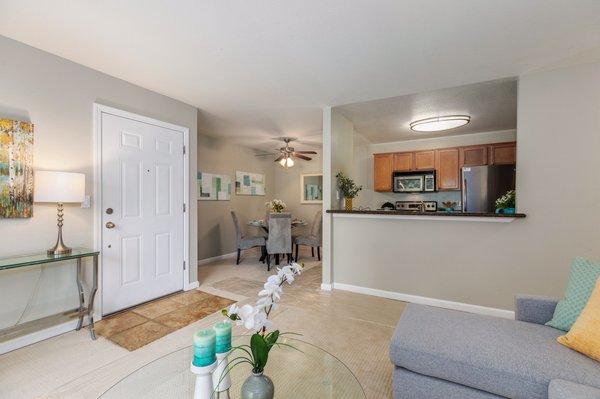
287 154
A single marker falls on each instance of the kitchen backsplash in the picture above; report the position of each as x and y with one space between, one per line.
439 196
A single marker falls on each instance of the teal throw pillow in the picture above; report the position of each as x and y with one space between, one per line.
582 279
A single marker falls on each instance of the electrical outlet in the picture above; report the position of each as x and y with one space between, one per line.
87 202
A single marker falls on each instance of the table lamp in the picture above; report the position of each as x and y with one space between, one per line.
60 188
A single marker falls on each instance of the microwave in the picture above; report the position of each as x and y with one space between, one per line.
414 183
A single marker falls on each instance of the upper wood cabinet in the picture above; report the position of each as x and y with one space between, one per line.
474 155
403 162
447 163
382 172
447 169
503 153
425 160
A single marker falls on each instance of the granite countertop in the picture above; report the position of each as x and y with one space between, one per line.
439 213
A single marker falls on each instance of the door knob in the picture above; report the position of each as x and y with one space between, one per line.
110 225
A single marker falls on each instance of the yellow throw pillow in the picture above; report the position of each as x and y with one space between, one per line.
584 336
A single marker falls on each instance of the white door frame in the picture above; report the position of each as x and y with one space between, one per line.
100 109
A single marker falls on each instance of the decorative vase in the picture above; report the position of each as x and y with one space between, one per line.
506 210
348 204
258 386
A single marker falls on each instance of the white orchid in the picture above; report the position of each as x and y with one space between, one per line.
272 288
261 321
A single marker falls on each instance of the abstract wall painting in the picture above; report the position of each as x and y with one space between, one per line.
16 169
213 187
249 183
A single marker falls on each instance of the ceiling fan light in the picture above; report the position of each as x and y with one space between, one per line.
438 123
282 162
289 162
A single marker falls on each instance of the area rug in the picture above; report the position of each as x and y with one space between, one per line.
138 326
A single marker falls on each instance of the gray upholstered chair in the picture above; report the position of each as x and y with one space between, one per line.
280 237
243 241
314 238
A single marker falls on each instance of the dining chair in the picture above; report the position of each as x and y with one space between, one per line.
244 242
280 237
314 238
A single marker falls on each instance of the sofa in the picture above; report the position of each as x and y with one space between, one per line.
439 353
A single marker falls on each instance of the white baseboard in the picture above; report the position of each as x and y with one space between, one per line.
326 287
192 286
440 303
37 336
215 258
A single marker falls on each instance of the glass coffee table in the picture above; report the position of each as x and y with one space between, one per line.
312 373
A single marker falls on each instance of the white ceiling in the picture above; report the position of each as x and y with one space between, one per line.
491 106
265 68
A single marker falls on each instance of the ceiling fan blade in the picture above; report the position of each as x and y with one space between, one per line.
270 154
279 158
306 152
296 155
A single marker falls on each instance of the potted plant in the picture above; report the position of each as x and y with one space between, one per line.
506 203
348 188
256 319
276 206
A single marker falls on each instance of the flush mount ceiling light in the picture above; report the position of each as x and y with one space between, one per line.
440 123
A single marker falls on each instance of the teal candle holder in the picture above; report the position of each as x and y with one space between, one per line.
204 348
223 336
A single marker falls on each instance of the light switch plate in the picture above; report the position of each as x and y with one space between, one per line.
87 202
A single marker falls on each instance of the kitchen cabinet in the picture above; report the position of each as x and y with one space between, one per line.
424 160
503 153
474 155
403 162
447 169
382 171
447 162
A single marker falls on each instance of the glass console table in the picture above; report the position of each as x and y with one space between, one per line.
43 259
305 372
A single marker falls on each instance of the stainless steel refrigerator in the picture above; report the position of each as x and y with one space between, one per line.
482 185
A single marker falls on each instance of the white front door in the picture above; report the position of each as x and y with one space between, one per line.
142 211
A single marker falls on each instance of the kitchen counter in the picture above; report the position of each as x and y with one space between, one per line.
464 216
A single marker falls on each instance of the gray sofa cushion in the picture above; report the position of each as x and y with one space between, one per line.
409 385
561 389
505 357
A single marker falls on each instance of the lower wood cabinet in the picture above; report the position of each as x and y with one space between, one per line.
447 169
382 172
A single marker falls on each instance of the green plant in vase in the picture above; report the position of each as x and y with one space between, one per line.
348 188
256 319
506 203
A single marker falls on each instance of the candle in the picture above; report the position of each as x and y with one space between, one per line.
223 336
204 348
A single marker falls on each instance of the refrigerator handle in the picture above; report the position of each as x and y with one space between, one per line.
464 195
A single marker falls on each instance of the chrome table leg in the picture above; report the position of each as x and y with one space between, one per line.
81 298
90 309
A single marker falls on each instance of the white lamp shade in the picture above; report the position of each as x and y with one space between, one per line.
59 187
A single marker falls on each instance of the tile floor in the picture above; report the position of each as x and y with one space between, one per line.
140 325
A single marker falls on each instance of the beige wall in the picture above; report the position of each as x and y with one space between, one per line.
216 233
57 96
487 263
287 188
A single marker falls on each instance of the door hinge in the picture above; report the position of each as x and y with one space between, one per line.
183 150
184 208
184 267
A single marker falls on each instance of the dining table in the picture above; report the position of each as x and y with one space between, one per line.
265 226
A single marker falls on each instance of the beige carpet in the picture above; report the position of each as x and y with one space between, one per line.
355 328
